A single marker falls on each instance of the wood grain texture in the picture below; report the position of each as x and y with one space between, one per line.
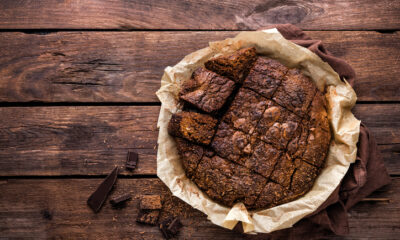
127 66
76 140
157 14
57 141
24 205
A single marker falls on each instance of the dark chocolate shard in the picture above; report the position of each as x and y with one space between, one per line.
120 200
132 160
98 197
170 227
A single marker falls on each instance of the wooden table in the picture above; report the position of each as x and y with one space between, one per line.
77 84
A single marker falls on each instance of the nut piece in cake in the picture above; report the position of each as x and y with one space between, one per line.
207 90
265 76
230 143
296 92
246 110
238 183
235 66
195 127
278 126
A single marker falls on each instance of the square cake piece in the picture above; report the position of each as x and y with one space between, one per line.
239 183
195 127
207 90
296 92
246 110
263 159
265 76
190 155
277 126
230 143
284 170
235 66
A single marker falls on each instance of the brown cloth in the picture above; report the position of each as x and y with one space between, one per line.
365 176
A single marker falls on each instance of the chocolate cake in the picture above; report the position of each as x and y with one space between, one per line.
255 131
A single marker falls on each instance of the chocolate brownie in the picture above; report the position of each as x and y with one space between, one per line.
227 182
268 140
278 126
263 159
265 76
207 90
235 66
196 127
246 110
296 92
230 143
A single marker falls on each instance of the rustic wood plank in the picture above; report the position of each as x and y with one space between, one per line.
127 66
54 141
76 140
56 208
156 14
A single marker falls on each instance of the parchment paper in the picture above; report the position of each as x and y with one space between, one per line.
342 152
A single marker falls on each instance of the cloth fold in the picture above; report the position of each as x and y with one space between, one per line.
364 176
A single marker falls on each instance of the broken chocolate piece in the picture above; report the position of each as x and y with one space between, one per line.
118 201
99 196
132 160
170 227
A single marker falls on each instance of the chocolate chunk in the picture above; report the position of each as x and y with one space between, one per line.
132 160
195 127
46 214
170 227
148 217
150 202
99 196
119 201
207 90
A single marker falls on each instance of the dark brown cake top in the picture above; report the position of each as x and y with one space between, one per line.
266 139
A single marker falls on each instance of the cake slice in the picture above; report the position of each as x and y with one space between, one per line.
235 66
207 90
195 127
265 76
